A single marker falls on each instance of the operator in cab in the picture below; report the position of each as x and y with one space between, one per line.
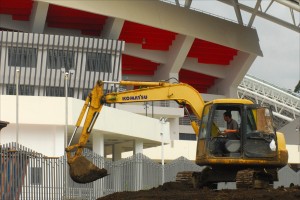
232 131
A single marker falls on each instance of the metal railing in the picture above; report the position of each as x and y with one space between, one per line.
43 59
186 120
26 174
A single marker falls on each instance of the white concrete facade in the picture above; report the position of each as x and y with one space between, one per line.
42 122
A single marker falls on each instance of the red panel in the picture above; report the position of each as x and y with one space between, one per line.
149 37
200 82
211 53
136 72
19 9
67 18
138 66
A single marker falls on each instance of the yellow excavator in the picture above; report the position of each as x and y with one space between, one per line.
250 157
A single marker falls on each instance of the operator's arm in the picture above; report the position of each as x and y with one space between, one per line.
233 128
226 131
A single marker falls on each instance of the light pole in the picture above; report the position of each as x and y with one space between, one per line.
17 105
298 130
66 74
163 121
66 108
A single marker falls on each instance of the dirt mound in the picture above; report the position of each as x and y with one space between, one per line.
173 190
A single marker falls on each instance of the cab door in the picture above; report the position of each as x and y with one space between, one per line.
203 132
260 136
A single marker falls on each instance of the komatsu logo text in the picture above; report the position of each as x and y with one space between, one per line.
132 98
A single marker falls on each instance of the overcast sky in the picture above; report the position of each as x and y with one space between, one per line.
280 64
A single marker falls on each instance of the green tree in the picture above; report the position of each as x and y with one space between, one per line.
297 88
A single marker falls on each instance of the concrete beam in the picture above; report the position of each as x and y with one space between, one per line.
192 64
234 74
162 58
38 16
137 51
112 28
176 57
7 23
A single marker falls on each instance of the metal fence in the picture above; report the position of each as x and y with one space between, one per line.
38 62
26 174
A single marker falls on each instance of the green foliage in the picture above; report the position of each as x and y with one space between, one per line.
297 88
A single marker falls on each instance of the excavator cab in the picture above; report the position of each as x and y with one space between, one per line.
251 156
255 137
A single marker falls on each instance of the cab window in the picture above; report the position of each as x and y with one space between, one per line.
259 119
204 122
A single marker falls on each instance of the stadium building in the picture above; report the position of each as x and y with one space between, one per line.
50 49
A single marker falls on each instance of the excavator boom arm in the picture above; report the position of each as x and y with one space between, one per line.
182 93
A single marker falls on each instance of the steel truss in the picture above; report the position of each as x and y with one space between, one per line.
285 104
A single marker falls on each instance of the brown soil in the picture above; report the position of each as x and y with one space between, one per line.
178 191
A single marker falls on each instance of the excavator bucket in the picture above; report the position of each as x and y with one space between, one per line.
84 171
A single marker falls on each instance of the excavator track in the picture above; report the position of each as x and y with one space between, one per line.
245 178
250 178
185 177
194 179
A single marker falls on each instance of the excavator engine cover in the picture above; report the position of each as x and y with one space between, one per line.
84 171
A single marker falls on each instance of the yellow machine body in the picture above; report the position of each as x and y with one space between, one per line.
205 127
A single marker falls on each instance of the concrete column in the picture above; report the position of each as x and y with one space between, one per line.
176 58
117 173
98 143
38 16
117 152
98 148
138 146
138 149
174 128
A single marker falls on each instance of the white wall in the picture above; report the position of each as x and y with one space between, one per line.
172 151
45 139
291 132
128 124
42 123
294 153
